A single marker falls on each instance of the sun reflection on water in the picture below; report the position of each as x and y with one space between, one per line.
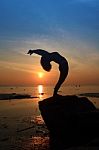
40 91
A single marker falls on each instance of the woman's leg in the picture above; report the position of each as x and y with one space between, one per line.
62 77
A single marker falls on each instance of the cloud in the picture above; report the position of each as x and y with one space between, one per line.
16 66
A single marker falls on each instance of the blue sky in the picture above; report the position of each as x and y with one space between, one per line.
78 19
68 26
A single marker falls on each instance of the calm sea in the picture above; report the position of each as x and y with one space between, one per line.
30 106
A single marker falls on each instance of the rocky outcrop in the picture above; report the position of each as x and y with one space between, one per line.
72 121
14 96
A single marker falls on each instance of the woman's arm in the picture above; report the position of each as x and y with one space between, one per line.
39 52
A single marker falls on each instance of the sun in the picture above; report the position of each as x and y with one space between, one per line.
40 74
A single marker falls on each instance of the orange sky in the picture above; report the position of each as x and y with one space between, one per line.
27 72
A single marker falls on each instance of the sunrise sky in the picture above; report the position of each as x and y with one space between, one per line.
70 27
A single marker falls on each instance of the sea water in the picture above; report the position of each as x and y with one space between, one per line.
28 107
43 92
18 114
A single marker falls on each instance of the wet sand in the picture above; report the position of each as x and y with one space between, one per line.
21 126
29 133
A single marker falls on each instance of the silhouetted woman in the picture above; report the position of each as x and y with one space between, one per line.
45 63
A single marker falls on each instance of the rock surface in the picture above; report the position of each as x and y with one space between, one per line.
72 121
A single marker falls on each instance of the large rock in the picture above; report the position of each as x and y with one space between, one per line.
71 120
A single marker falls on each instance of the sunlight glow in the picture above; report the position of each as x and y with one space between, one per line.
40 75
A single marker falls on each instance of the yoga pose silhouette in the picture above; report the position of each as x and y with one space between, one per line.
45 63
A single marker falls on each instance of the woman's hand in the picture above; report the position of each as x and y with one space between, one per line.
30 52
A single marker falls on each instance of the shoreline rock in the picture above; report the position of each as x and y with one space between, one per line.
72 121
96 95
15 96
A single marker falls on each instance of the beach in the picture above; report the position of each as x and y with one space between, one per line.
21 124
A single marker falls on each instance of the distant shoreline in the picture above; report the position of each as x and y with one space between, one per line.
9 96
96 95
15 96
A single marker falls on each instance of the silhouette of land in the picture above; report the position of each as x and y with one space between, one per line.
15 96
90 94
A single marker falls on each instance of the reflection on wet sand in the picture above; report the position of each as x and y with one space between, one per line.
36 143
29 133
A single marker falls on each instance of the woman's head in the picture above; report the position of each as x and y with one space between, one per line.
45 63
